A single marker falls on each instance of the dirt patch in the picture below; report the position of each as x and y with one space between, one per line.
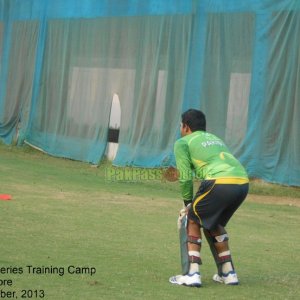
274 200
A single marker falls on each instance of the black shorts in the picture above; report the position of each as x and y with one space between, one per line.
214 203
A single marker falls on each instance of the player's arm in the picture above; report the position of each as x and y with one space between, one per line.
184 166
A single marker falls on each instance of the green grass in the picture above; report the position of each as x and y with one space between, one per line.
260 187
67 213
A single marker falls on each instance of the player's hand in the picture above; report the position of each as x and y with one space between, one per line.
182 214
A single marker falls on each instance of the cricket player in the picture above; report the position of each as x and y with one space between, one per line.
224 186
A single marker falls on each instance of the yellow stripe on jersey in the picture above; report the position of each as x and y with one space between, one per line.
230 180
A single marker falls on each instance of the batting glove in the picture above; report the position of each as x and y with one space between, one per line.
182 214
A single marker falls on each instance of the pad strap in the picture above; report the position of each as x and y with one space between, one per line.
220 238
194 240
224 259
195 259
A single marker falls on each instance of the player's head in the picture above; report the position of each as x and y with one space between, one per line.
192 120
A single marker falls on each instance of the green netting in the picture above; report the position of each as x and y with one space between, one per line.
62 62
87 61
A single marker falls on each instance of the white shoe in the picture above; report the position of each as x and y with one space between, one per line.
230 278
193 280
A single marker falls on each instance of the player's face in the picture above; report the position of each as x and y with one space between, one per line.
183 129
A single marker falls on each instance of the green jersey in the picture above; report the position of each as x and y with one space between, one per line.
207 157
